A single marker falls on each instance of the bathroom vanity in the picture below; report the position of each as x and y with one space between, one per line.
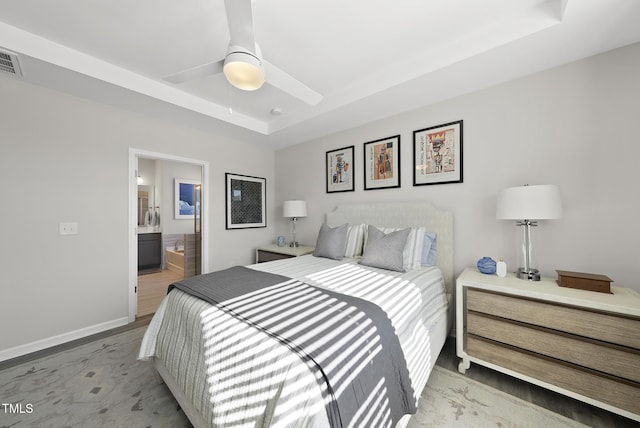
149 250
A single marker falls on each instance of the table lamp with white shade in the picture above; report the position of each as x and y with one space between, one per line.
528 204
294 210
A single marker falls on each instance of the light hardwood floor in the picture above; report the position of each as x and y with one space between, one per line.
152 288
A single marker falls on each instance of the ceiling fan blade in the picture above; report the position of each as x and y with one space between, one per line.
290 85
240 21
196 72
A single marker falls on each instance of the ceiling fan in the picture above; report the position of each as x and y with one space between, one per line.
243 64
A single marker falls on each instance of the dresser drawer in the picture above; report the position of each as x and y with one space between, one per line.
622 395
579 343
616 329
268 256
600 356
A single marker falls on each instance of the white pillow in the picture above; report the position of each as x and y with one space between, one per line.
355 240
412 254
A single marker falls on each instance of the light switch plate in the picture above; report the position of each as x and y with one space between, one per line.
68 228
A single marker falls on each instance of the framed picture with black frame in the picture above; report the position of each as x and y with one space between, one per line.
382 163
246 200
437 154
340 170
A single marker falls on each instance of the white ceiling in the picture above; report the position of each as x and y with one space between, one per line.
369 59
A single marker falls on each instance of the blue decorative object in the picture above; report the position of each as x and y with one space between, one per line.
487 265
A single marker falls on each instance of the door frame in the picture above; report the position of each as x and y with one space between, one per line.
134 154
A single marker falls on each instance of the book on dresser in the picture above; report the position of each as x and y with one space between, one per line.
580 343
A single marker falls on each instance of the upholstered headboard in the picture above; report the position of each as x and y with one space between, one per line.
405 214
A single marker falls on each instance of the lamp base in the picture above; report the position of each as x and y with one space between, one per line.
530 275
294 244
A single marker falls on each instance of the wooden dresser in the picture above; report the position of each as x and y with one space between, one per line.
580 343
272 252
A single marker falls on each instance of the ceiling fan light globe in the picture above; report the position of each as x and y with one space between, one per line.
244 71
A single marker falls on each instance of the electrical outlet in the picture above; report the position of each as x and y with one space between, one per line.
68 228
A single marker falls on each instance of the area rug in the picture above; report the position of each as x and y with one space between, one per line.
453 400
101 384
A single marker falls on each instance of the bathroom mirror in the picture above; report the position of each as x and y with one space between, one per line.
145 201
143 206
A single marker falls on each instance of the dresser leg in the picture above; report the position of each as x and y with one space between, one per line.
464 365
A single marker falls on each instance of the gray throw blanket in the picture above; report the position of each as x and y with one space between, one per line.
369 385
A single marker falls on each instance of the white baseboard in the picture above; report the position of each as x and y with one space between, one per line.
38 345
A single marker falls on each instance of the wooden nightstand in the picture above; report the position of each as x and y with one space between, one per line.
576 342
273 252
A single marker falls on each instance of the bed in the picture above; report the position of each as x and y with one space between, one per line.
224 371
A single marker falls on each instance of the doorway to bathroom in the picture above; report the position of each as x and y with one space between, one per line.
168 203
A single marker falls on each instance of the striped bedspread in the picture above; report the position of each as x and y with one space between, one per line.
237 376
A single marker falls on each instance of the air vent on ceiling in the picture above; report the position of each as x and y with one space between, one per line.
9 63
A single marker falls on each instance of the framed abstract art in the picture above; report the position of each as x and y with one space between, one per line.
246 200
437 154
382 163
339 170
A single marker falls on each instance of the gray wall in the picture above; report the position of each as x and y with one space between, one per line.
575 126
66 159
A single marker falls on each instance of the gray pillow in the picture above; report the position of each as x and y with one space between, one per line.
332 242
385 251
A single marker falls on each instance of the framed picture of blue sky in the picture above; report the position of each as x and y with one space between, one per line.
185 199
